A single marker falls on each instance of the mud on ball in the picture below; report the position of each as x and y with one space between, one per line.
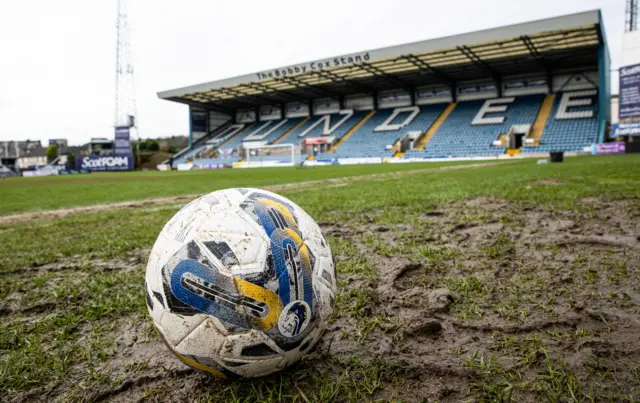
240 282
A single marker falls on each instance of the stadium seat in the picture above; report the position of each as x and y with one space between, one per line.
207 143
368 142
458 137
189 155
272 129
294 137
569 135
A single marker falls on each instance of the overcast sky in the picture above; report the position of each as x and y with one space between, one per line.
57 69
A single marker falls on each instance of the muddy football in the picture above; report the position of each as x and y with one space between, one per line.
240 282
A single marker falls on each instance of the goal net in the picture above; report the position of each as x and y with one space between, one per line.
257 155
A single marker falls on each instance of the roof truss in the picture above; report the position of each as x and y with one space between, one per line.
543 52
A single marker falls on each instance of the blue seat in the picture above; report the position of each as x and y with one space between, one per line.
318 131
568 135
458 137
281 127
366 142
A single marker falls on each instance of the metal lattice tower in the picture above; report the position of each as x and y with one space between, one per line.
631 16
125 94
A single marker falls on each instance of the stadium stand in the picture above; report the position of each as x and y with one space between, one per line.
267 131
373 138
569 128
207 143
460 137
277 130
486 96
189 155
323 128
232 138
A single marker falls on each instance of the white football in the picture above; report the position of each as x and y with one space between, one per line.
240 282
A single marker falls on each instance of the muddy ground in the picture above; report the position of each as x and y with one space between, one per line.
478 300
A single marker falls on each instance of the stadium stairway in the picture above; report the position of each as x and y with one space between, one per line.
502 138
351 131
541 119
422 141
397 145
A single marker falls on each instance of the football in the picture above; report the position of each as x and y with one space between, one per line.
240 283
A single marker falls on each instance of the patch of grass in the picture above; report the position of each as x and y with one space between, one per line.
467 286
378 245
349 259
520 294
440 258
591 276
16 194
617 271
82 237
557 383
502 247
524 349
597 367
470 293
367 324
494 383
355 380
37 351
356 303
510 309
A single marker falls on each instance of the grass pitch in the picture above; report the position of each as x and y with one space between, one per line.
54 192
510 282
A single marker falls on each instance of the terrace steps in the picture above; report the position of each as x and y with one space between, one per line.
541 119
502 138
422 141
514 151
351 131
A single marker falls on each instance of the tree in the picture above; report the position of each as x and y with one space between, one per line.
153 146
52 153
71 161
